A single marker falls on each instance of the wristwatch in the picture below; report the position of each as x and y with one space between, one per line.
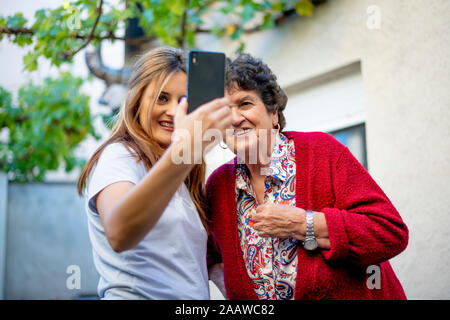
310 242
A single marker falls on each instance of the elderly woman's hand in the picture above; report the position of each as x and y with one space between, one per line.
283 221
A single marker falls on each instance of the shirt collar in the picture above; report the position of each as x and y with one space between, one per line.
280 152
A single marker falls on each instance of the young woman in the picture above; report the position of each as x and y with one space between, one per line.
145 213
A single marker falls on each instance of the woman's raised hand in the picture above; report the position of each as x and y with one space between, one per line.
203 128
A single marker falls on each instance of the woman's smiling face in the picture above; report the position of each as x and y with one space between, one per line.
163 112
251 122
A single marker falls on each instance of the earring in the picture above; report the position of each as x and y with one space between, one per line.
223 145
278 127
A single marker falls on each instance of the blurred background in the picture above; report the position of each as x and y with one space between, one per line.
375 74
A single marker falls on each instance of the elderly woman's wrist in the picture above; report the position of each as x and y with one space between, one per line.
321 230
320 227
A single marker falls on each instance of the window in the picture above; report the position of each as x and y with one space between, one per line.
332 102
354 138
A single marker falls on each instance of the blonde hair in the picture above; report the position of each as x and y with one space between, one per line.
153 68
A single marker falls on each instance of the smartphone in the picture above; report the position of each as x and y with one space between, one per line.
206 77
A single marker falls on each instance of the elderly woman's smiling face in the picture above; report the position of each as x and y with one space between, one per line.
252 123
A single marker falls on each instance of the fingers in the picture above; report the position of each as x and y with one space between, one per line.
217 114
264 207
182 109
215 104
222 112
259 217
265 231
257 221
274 208
221 119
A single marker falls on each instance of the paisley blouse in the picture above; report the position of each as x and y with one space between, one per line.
271 262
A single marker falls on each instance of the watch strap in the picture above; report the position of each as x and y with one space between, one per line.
309 224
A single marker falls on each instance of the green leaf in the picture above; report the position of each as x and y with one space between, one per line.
267 5
30 62
148 15
230 7
247 14
304 7
23 40
190 38
237 34
16 21
278 6
268 22
241 47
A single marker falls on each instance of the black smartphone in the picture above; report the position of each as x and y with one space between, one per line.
206 77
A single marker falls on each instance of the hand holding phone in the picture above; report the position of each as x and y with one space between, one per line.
201 129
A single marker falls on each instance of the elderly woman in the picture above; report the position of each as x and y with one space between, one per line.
310 223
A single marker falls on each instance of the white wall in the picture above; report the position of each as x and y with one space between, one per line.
327 103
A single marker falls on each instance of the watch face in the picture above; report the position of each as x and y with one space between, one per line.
310 244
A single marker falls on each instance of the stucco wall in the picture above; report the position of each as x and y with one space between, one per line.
406 74
46 234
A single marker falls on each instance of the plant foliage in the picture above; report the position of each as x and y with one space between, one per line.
43 129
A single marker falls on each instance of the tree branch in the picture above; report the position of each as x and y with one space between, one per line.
110 36
248 30
181 39
144 39
15 31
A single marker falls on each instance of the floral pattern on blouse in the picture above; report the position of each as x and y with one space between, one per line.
271 263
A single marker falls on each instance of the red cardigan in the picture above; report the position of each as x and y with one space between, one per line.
364 227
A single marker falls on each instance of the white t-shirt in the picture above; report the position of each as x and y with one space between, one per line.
169 263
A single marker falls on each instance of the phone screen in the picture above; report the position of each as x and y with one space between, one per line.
206 77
